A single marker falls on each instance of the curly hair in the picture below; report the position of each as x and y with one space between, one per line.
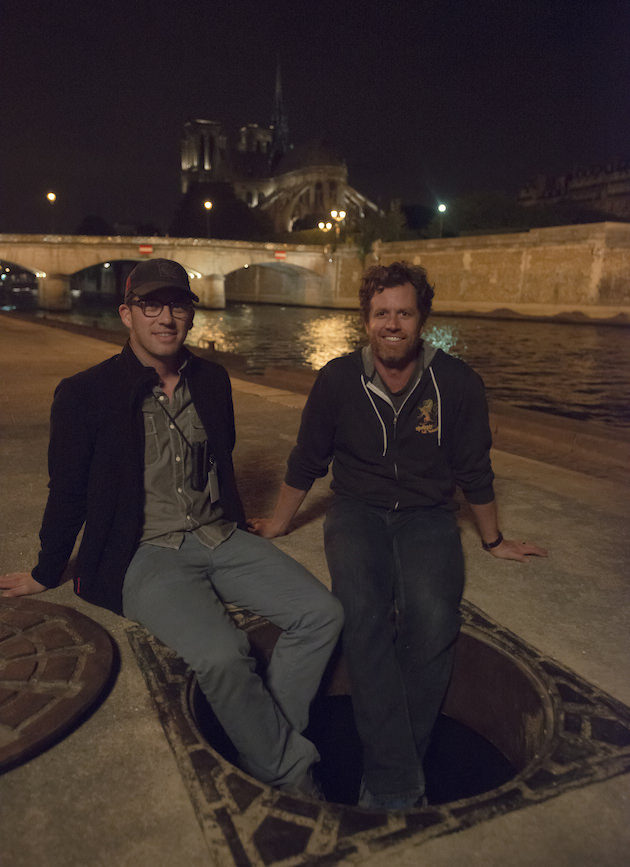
380 277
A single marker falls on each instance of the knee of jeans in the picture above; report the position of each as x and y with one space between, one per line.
443 617
221 668
334 609
435 630
327 615
324 613
366 613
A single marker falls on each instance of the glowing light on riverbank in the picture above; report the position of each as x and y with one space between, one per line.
327 338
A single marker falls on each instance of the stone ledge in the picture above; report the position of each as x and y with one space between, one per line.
573 314
579 445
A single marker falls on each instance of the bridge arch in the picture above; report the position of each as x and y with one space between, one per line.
57 258
274 283
18 286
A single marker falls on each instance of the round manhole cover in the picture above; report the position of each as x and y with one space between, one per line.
54 663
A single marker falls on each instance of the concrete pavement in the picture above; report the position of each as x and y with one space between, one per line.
112 792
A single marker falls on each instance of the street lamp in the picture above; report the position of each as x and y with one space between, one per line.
338 217
325 227
208 206
441 210
52 198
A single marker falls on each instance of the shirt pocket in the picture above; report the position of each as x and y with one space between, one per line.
198 430
199 435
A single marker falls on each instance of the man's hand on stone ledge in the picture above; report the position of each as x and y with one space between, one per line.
288 502
511 550
19 584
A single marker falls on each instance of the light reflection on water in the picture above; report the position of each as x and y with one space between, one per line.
579 371
291 335
268 334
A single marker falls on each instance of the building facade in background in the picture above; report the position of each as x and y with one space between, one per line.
295 186
603 188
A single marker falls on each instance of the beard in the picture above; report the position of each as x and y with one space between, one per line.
396 357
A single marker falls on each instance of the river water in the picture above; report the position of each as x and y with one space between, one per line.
576 371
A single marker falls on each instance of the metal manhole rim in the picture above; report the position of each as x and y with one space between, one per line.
250 821
65 712
539 680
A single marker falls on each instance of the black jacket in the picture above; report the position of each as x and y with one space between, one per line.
412 457
96 467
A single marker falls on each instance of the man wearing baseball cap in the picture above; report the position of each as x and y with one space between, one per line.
140 456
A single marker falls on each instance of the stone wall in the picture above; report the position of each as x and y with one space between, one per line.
564 271
569 272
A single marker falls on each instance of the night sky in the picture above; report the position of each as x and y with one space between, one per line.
425 99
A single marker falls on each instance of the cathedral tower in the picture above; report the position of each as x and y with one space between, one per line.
280 141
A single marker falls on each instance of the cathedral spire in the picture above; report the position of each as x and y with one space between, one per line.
280 143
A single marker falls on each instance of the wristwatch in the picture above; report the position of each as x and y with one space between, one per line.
488 546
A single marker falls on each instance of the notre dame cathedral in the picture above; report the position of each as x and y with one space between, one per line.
295 187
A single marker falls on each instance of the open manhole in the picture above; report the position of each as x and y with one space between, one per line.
516 729
496 723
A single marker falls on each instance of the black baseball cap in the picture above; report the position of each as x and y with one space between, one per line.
154 274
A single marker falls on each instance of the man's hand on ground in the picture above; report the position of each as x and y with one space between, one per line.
19 584
511 550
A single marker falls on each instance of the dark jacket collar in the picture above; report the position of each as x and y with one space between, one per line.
142 379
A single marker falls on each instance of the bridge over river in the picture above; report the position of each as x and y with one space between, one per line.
574 272
309 273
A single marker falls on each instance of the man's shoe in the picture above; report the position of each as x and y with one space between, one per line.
402 801
308 786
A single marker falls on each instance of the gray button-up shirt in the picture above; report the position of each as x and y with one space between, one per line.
172 507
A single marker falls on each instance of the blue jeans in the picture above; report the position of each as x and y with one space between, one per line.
179 596
399 576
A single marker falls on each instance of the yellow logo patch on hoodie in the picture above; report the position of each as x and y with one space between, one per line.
427 417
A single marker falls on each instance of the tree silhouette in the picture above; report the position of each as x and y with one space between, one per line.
230 218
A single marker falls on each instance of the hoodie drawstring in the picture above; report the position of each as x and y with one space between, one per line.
378 415
439 403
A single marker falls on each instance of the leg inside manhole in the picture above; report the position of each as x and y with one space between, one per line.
496 721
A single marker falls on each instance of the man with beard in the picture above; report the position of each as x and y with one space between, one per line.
404 424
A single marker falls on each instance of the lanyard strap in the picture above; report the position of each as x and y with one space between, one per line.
177 427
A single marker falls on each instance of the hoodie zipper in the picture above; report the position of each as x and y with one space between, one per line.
395 435
370 387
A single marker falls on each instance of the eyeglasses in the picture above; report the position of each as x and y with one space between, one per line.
178 309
